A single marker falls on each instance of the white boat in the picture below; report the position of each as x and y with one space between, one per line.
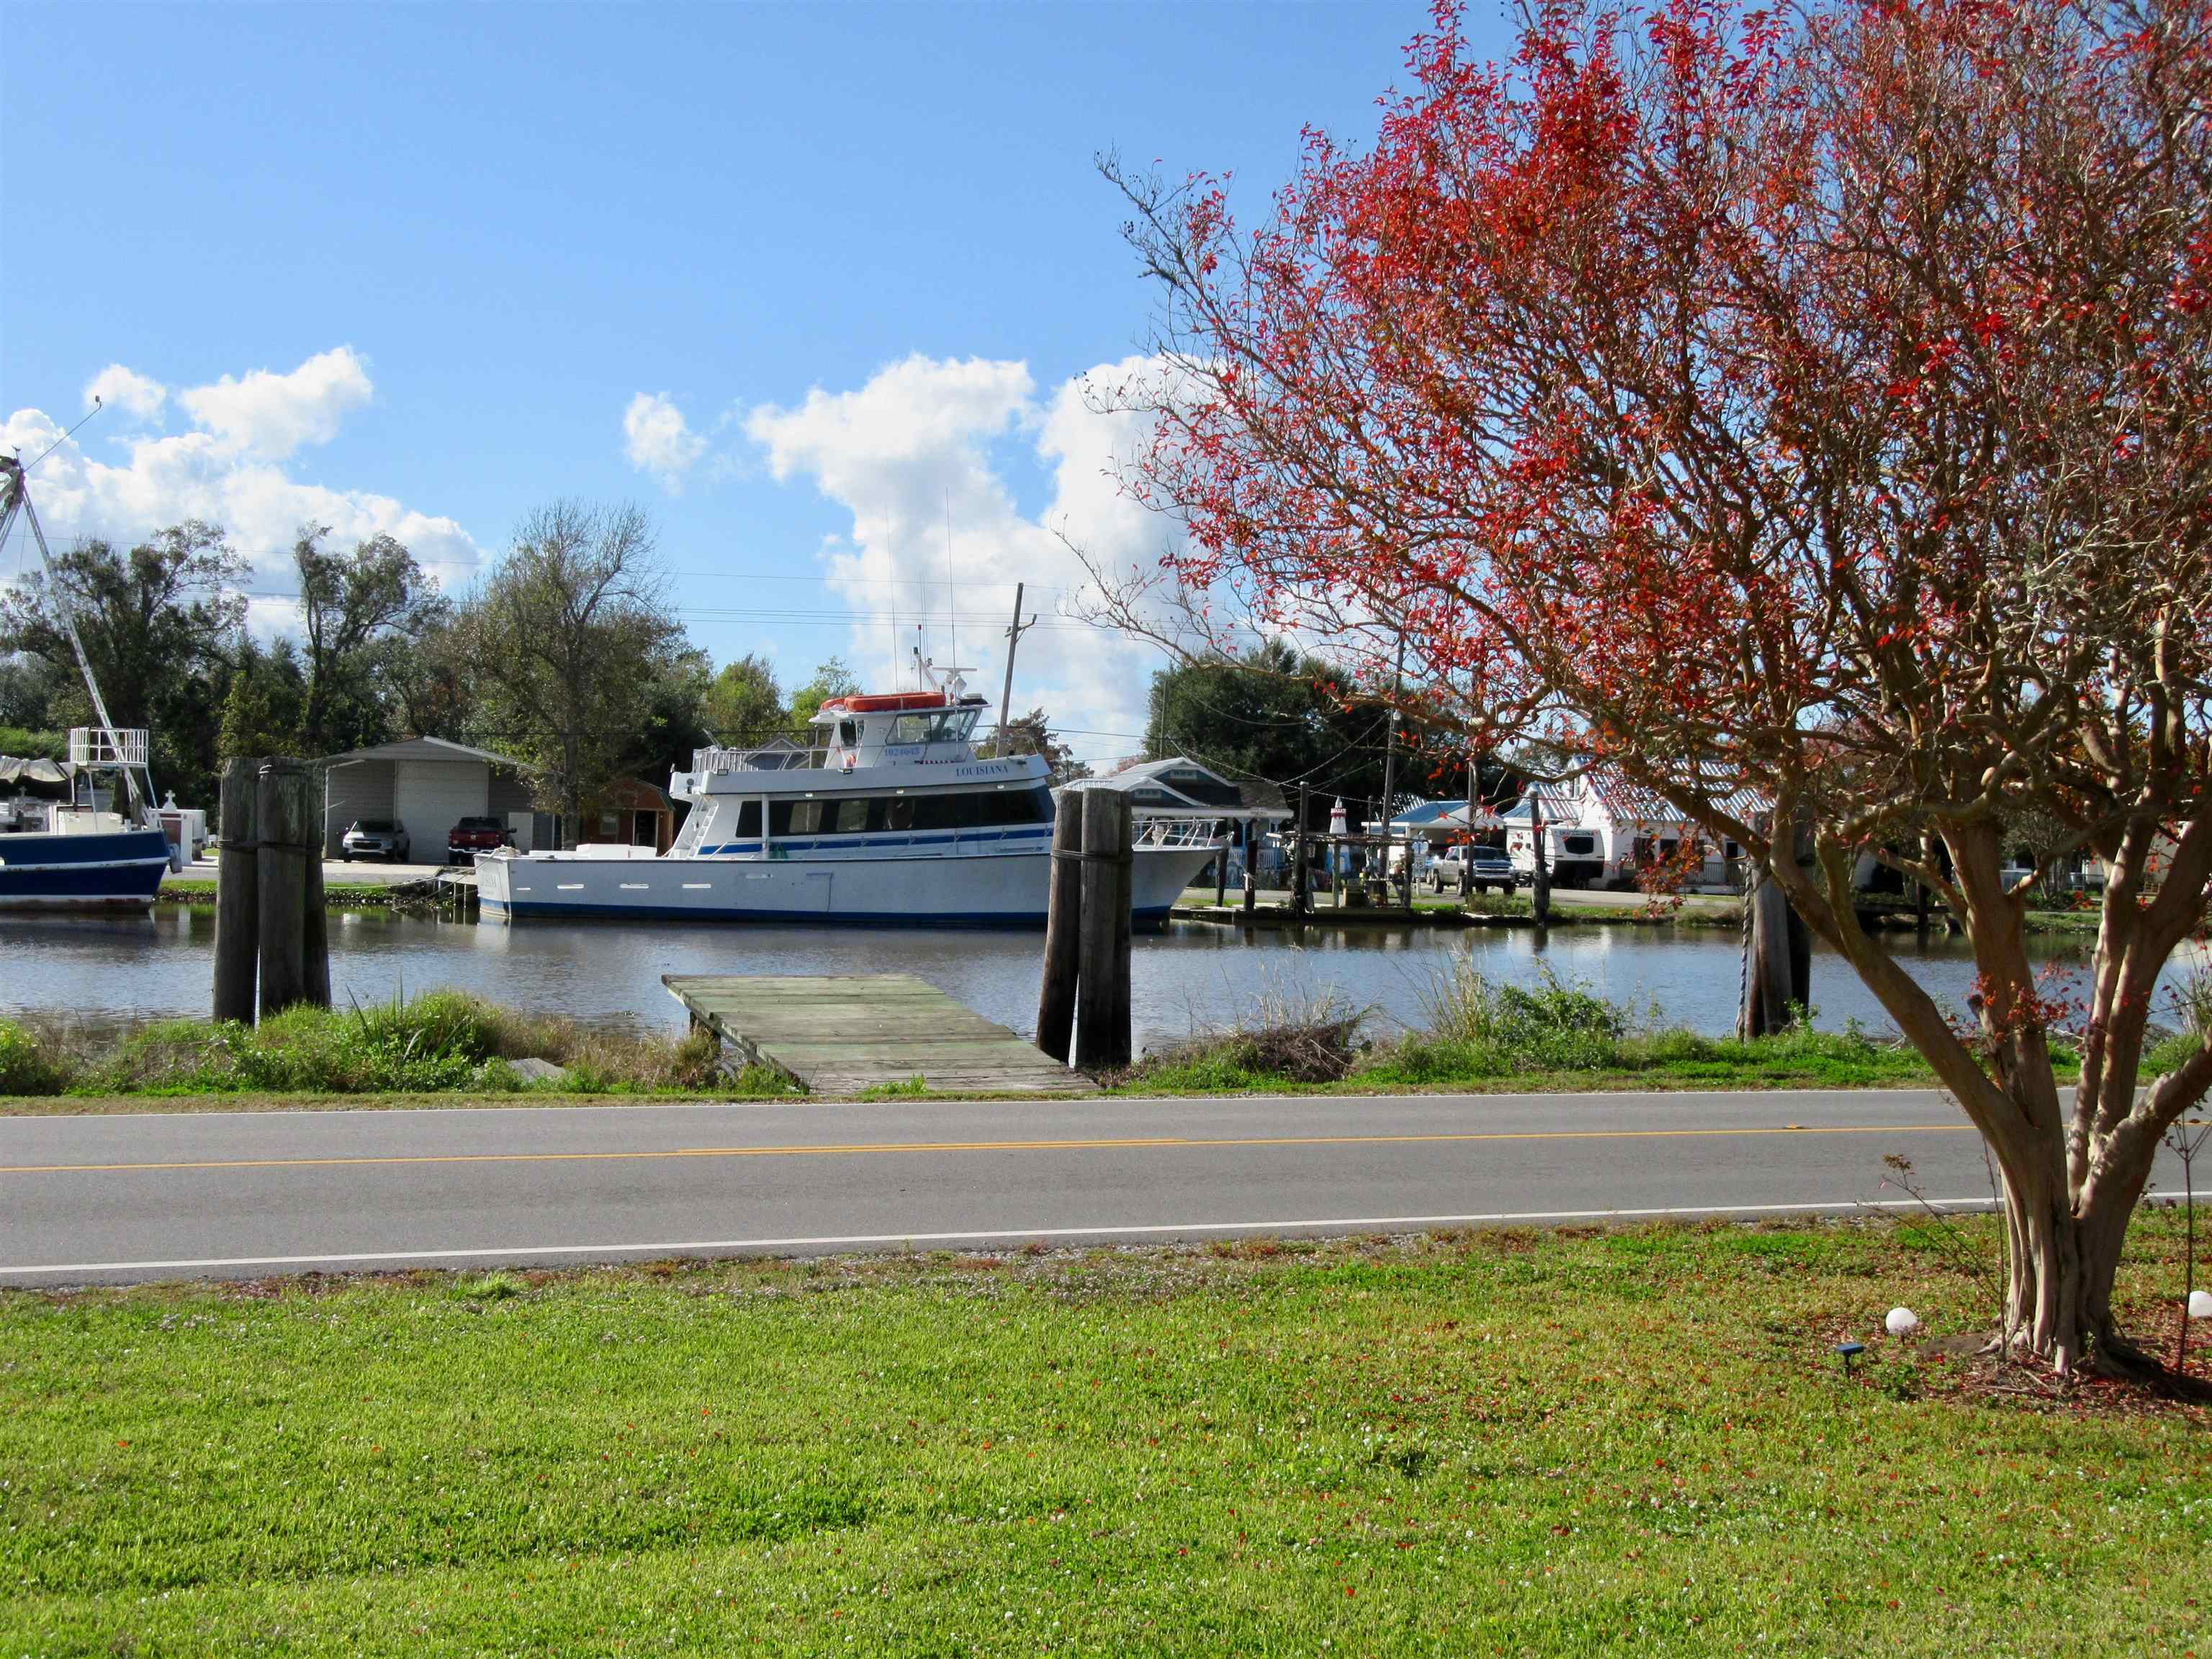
887 819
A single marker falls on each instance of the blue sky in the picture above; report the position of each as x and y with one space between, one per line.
410 266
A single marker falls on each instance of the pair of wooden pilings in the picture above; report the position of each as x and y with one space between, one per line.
272 944
1086 931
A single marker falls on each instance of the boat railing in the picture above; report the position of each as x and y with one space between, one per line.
771 758
94 745
1177 832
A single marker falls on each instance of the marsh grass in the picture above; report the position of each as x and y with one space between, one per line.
1580 1442
437 1042
1477 1032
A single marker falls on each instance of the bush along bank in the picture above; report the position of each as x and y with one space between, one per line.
1477 1033
439 1043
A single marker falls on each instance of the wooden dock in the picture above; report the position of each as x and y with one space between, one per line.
839 1034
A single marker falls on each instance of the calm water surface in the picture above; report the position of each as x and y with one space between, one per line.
106 970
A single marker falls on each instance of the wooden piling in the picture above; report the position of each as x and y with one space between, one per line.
1055 1018
281 816
316 941
1301 880
1251 865
1102 990
237 899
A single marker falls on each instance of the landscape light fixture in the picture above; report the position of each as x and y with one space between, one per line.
1849 1350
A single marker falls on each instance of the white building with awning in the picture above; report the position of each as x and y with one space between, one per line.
429 785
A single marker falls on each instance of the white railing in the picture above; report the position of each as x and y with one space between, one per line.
91 745
1177 832
780 757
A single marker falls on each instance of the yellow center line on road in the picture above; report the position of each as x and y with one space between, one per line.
1135 1143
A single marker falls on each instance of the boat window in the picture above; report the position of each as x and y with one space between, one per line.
898 813
851 815
849 734
949 725
795 817
747 819
944 811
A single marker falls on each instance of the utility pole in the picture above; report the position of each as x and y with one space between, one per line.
1006 694
1467 848
1389 769
1540 891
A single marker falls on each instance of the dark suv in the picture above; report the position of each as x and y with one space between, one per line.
473 835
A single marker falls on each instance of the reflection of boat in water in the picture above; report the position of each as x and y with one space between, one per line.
83 837
887 819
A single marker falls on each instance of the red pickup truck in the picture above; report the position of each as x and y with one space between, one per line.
473 835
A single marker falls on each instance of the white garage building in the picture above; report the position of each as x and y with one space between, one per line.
428 784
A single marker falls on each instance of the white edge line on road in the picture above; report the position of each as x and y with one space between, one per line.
857 1241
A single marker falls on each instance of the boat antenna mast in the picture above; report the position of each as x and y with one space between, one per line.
14 500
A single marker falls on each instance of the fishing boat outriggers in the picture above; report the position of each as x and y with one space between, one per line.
101 847
886 817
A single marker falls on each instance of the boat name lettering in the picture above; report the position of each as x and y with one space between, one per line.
988 771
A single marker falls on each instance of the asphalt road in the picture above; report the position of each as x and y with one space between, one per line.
238 1194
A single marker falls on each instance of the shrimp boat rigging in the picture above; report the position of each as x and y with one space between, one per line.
73 855
887 817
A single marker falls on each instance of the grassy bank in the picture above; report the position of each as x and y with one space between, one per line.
1634 1442
1554 1035
440 1043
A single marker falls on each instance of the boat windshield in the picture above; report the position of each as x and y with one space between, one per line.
946 725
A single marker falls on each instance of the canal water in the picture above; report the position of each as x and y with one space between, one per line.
104 970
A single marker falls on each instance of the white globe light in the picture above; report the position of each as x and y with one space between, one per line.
2200 1304
1901 1321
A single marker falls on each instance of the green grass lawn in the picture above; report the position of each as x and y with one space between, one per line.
1634 1442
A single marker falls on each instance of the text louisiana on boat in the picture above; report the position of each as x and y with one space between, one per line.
887 819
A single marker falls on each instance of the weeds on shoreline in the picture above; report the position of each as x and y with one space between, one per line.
1475 1030
440 1041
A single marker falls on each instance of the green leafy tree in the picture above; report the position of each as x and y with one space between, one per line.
1279 714
426 681
744 703
155 622
1032 734
831 679
351 606
264 703
567 640
673 722
26 693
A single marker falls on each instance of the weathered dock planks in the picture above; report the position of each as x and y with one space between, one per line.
838 1034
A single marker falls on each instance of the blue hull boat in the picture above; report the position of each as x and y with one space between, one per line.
107 870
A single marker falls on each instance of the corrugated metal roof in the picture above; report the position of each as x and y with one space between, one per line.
426 748
1178 783
1629 803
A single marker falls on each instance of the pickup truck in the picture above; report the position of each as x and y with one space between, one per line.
1487 867
473 835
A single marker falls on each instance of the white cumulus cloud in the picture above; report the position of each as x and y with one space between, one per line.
908 455
229 470
126 390
272 415
658 439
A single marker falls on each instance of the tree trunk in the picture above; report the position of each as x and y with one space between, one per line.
1764 1007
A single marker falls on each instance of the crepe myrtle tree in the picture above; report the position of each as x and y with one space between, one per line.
1819 401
